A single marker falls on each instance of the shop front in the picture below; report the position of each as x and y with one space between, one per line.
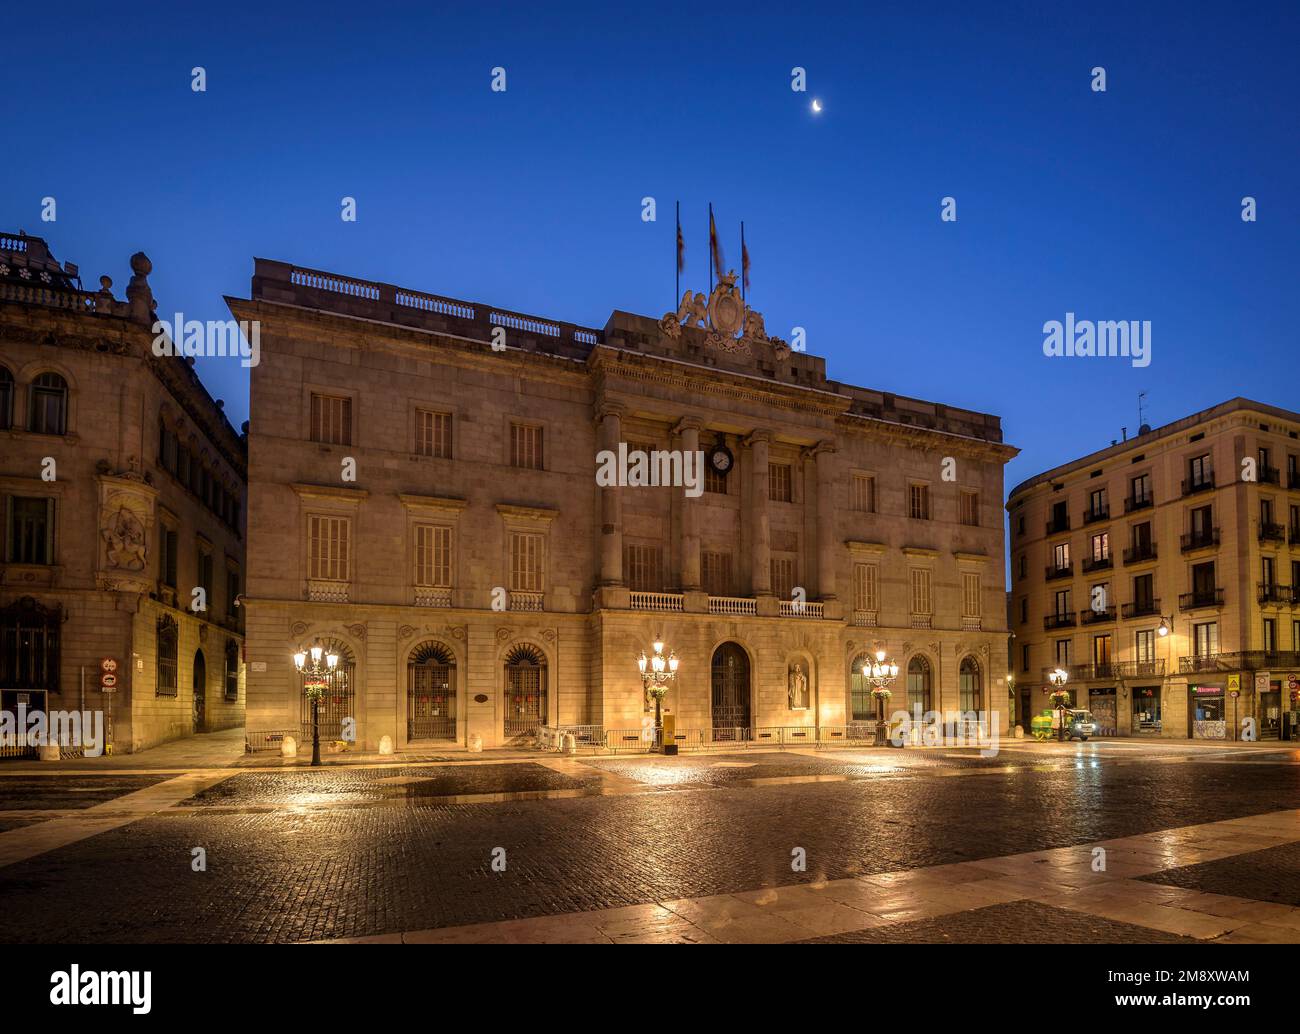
1102 704
1207 717
1146 720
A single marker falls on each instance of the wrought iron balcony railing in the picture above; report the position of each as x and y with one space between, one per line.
1201 598
1092 616
1204 483
1140 608
1096 513
1139 554
1273 593
1058 524
1092 563
1138 503
1270 476
1052 621
1206 539
1270 532
1065 571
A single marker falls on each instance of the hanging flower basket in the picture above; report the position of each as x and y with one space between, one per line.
1060 698
882 693
314 688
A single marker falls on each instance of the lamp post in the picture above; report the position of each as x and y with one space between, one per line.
1060 698
315 682
658 673
880 675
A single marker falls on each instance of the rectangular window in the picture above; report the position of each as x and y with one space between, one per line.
1024 658
526 448
970 595
1144 593
1270 635
30 531
232 591
1141 489
1062 601
1144 646
783 576
170 540
329 547
1205 639
525 562
433 434
866 587
780 483
1024 610
968 510
1101 547
716 573
1061 556
643 567
205 574
864 493
1063 652
920 502
714 480
331 419
433 556
921 602
1199 471
1101 650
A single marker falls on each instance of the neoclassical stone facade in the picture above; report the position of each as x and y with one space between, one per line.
121 490
424 495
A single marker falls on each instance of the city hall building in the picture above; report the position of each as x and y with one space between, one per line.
1162 574
121 492
425 500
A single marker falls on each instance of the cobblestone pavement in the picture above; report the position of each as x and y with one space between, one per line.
353 852
1271 875
1017 922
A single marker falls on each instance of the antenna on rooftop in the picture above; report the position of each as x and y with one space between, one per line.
1141 419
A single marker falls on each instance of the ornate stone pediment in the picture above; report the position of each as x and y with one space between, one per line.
730 325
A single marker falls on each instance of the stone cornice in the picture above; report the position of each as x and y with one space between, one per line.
925 438
920 553
444 505
535 514
865 548
970 558
335 492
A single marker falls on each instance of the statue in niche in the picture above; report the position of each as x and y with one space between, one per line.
798 689
124 536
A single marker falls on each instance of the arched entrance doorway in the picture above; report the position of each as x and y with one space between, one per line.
431 693
525 691
730 711
200 691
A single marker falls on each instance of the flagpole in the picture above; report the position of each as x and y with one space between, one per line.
742 261
711 248
677 258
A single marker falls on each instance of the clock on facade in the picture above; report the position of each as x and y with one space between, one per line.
721 459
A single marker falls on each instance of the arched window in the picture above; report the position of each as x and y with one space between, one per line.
970 697
861 703
49 408
525 689
918 684
6 399
431 693
337 707
232 670
168 640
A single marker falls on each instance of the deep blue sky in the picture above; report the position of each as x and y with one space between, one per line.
1122 205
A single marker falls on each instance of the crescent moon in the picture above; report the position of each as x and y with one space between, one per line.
816 105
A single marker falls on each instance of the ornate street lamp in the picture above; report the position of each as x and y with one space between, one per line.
658 673
880 675
315 681
1060 698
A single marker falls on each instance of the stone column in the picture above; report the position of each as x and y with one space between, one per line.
610 416
760 571
688 439
826 551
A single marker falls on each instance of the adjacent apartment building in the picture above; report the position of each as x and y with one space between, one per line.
1163 575
424 501
122 493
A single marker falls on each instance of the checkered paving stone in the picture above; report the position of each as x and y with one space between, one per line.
1271 875
1017 922
71 791
285 873
376 785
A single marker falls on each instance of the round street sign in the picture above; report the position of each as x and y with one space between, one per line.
108 664
108 680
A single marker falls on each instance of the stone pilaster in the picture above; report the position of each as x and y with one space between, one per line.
826 551
610 416
760 571
688 441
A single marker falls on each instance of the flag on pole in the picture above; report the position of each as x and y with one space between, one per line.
715 248
681 242
744 261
